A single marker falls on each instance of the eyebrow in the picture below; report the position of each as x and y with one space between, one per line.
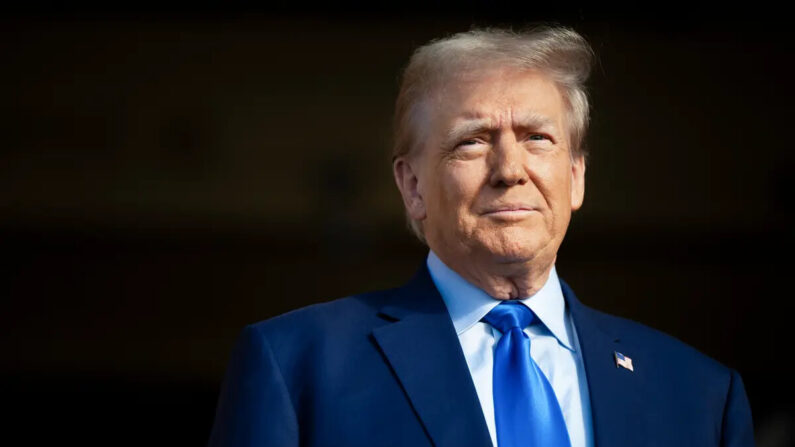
479 124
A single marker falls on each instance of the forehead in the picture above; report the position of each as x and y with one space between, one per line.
497 93
501 96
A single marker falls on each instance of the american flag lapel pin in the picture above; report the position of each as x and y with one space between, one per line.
623 361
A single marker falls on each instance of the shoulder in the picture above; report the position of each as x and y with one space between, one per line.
311 331
317 347
681 380
339 313
669 364
663 345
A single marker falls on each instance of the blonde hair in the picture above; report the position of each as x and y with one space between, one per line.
560 53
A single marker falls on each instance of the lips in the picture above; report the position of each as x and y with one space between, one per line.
509 209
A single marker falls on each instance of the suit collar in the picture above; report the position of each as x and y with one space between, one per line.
617 409
423 350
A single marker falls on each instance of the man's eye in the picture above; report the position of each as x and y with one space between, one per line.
537 137
468 142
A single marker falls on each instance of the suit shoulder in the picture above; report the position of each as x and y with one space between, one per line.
667 348
679 376
310 344
337 316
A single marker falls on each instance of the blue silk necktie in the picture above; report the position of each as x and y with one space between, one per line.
527 413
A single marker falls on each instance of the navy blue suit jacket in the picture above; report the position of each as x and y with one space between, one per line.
386 369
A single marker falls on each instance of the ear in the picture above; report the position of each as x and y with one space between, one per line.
577 182
408 184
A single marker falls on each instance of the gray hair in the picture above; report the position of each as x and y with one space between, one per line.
558 52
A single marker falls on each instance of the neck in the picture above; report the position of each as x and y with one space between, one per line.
502 280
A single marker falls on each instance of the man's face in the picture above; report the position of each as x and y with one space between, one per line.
494 176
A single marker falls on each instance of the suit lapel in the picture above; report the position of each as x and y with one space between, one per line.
616 400
423 350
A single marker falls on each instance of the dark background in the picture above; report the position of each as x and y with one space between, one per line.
170 174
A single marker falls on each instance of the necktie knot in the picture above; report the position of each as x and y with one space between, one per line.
509 315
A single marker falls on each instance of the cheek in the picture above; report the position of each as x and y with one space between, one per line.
460 186
560 199
554 182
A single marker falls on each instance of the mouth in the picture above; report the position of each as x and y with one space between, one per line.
511 211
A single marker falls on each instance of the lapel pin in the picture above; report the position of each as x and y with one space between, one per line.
623 361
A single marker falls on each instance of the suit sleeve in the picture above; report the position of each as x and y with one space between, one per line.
254 407
737 429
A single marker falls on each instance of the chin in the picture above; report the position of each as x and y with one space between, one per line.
515 245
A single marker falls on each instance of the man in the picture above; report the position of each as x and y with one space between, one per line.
485 345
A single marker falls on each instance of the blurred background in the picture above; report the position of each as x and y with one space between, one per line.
169 175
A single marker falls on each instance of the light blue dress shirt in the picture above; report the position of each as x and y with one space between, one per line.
554 345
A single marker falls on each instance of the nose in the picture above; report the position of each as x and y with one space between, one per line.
507 162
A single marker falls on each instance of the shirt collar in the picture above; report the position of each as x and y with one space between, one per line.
468 304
